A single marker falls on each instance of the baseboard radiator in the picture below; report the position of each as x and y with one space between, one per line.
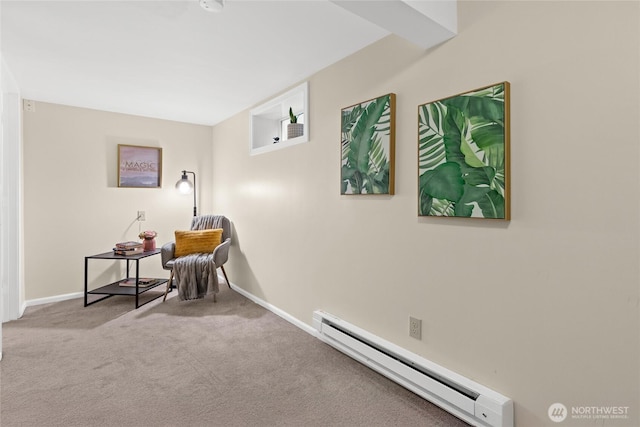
460 396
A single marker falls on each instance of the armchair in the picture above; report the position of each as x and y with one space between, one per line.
220 253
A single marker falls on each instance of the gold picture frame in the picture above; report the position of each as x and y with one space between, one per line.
464 163
368 141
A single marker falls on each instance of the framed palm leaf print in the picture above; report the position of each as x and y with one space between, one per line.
463 155
368 147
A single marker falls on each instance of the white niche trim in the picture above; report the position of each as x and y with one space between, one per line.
269 119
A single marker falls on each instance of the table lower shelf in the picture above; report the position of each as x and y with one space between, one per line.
115 288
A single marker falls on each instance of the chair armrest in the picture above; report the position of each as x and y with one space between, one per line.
221 252
167 254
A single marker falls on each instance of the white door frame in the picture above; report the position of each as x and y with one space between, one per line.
11 276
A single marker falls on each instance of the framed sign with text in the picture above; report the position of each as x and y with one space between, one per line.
139 167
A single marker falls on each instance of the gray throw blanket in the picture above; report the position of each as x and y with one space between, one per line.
195 276
205 222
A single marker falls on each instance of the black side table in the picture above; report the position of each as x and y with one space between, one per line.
115 288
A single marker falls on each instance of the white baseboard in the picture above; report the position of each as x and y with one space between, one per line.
275 310
47 300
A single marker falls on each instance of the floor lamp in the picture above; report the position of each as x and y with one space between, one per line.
185 187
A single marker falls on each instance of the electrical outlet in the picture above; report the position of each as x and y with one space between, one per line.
415 328
141 216
29 105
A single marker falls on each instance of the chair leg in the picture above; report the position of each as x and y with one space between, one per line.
225 276
168 286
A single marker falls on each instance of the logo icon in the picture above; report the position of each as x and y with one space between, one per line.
557 412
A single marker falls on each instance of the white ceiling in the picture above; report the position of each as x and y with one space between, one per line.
171 59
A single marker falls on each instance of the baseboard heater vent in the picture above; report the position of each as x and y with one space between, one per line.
462 397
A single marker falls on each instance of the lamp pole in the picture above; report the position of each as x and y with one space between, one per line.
195 209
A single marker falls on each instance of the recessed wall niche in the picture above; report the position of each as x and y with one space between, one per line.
269 120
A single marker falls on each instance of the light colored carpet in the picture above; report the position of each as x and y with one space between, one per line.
189 363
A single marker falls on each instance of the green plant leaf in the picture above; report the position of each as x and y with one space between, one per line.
425 202
443 182
345 150
488 134
381 182
489 201
492 205
363 150
479 176
454 125
350 117
470 156
440 207
462 210
431 150
377 156
476 106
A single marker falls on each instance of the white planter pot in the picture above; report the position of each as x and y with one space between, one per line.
295 130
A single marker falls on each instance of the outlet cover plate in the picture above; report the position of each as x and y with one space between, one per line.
415 328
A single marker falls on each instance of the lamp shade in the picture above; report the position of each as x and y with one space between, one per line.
184 185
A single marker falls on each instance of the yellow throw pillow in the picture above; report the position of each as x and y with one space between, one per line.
197 241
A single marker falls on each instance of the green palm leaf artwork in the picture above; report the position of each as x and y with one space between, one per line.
463 155
368 147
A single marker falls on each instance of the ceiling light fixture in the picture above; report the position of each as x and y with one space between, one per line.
212 5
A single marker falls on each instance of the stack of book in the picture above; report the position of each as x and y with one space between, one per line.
128 248
142 283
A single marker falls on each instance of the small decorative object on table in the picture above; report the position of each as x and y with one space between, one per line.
149 240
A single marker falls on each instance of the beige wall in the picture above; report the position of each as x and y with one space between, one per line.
73 206
543 308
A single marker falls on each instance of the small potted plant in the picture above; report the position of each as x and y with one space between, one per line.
294 129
